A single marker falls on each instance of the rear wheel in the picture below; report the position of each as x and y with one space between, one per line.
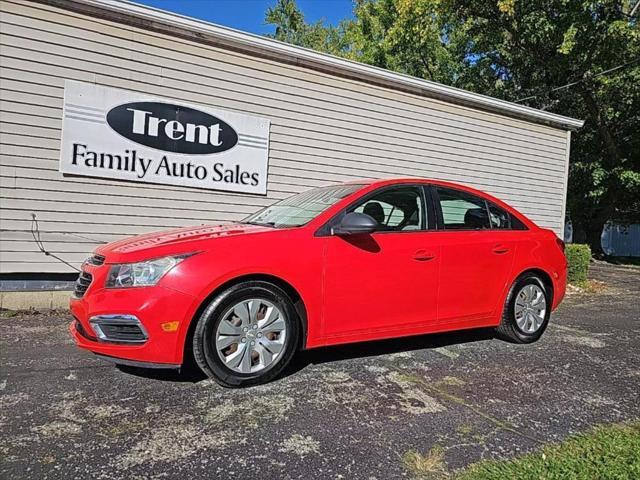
526 311
247 335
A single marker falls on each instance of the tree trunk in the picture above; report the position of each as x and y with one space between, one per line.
594 235
612 157
579 230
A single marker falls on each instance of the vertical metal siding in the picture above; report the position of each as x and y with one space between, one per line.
325 129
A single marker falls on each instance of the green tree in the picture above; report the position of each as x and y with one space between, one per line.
291 27
545 44
519 50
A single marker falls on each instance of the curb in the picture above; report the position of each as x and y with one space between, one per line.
47 299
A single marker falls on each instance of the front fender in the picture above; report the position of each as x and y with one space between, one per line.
202 275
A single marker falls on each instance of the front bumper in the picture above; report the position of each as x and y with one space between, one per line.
153 307
135 363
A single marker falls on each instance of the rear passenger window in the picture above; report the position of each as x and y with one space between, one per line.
499 218
517 224
462 211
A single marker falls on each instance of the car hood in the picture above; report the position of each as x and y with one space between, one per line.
172 241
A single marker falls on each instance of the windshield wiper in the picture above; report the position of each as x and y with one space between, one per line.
262 224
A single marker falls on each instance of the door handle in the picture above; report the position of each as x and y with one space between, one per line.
423 256
500 249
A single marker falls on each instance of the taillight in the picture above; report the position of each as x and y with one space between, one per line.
560 244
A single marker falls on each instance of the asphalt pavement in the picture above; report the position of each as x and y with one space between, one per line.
350 412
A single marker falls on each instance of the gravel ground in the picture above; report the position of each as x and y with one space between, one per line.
350 412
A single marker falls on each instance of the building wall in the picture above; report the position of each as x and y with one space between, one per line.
324 129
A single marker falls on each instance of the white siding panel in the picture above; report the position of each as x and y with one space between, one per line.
492 175
421 155
262 91
336 125
324 129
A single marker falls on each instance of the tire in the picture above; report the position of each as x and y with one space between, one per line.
223 308
510 328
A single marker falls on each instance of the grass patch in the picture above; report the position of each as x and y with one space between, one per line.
6 313
425 466
605 452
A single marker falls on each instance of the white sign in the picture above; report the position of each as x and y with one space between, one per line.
113 133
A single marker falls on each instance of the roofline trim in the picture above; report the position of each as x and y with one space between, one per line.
303 56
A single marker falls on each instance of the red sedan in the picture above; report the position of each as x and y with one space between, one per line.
347 263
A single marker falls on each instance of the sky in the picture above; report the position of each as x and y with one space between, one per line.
248 15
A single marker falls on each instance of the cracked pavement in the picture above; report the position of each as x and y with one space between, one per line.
347 412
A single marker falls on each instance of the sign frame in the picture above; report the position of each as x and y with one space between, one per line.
125 135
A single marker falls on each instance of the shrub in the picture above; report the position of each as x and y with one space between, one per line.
578 257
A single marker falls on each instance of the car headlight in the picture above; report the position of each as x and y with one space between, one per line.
141 274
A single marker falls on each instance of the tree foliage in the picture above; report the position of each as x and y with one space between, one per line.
290 27
515 49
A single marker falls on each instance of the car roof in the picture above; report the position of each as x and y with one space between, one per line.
380 182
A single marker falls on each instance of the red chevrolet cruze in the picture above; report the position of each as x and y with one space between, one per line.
346 263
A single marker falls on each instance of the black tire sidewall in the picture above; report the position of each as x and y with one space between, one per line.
204 337
528 279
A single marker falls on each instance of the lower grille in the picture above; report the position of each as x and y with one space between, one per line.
118 329
82 284
123 333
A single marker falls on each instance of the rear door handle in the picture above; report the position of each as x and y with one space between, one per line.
423 256
500 249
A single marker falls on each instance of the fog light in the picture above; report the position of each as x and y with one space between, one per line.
169 326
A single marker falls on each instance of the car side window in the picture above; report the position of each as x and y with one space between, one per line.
516 223
499 218
462 211
395 209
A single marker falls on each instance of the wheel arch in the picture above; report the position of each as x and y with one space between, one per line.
544 276
289 289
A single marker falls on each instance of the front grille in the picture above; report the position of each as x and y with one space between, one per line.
96 260
83 282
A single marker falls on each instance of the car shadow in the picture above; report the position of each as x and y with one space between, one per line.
322 355
190 373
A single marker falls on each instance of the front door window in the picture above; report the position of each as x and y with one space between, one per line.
395 209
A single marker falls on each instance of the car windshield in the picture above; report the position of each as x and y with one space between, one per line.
301 208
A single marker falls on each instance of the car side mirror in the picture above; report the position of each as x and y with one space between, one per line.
354 223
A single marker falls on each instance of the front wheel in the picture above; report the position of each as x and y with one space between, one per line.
526 311
247 335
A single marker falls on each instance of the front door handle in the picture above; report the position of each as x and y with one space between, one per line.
500 249
423 256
